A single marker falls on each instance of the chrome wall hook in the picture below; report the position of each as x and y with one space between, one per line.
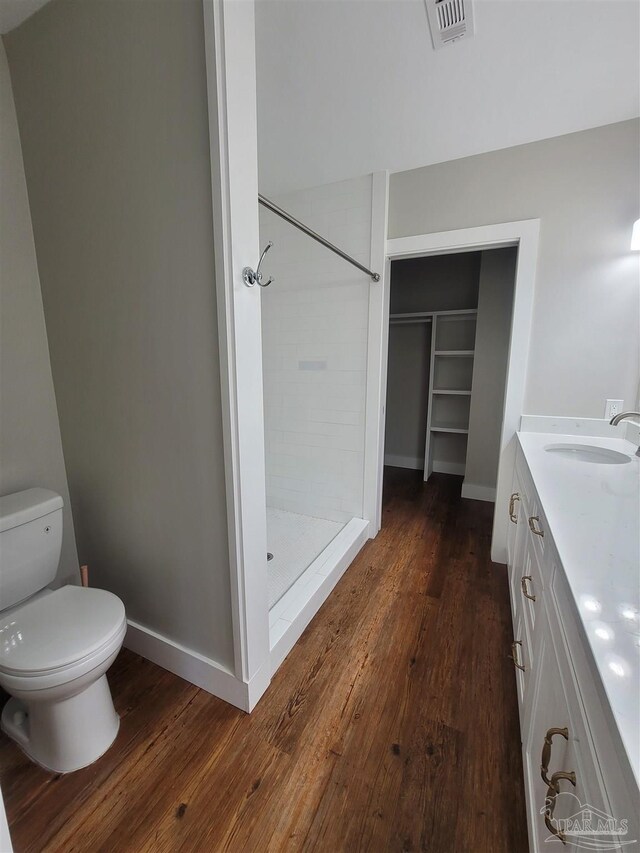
251 277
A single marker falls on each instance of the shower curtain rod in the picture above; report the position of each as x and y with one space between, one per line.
297 224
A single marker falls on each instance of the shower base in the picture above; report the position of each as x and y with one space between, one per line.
291 614
295 541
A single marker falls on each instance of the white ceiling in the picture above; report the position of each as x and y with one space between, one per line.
347 87
14 12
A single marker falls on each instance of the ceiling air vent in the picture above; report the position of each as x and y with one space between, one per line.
450 20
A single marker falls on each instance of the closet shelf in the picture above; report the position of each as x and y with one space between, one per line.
456 429
412 315
442 315
450 345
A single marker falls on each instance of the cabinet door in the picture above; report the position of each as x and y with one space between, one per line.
531 584
516 542
521 657
514 512
618 779
565 794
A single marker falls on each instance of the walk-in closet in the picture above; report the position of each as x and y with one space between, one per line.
449 329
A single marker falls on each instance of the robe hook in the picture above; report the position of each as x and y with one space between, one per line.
251 277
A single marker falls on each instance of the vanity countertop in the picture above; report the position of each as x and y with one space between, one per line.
593 514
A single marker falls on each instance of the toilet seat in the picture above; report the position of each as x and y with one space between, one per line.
59 637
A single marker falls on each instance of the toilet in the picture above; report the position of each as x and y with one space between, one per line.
56 645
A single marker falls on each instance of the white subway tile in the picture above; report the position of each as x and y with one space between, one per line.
317 311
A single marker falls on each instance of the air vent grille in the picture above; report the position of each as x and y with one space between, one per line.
449 20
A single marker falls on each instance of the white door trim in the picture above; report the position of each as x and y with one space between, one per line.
378 339
525 235
231 85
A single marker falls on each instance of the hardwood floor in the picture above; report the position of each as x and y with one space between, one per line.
392 725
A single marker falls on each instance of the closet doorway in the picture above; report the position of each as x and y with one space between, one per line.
449 334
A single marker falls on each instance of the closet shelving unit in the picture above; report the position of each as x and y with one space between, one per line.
451 369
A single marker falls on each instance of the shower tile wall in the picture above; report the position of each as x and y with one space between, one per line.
314 322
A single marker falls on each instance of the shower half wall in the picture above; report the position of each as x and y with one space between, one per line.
315 325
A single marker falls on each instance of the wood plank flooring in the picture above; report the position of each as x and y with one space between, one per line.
392 725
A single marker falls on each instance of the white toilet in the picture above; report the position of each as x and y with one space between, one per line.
55 645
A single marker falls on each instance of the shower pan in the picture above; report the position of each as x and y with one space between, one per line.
296 541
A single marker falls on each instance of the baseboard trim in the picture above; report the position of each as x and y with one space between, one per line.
448 467
412 462
291 615
478 493
188 664
257 686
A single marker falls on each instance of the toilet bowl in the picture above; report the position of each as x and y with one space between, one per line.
56 645
56 650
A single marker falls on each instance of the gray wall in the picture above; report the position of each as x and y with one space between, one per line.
111 102
438 283
493 328
585 188
407 395
30 447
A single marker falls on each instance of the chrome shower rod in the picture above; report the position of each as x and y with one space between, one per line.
310 233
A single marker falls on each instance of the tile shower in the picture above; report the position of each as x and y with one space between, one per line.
314 327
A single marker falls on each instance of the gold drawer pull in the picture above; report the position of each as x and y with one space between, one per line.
534 526
523 584
550 802
546 751
514 654
512 503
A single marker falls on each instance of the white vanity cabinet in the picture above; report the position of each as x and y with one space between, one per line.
573 774
561 770
525 582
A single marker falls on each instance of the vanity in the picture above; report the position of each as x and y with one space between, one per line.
573 565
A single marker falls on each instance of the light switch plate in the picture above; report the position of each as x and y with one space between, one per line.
613 408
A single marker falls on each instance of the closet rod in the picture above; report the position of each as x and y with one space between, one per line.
310 233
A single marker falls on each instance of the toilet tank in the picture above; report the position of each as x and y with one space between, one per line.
30 543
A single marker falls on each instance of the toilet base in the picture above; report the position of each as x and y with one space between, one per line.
63 735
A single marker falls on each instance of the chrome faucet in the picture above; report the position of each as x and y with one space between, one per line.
615 420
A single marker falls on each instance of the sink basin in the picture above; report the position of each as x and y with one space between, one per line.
589 453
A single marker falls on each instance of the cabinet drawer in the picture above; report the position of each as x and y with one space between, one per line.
537 526
515 517
516 539
531 507
531 587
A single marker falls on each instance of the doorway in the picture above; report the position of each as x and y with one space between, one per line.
524 236
450 320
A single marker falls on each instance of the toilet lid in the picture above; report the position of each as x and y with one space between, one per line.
58 629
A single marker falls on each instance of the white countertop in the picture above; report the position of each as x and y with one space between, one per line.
593 514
